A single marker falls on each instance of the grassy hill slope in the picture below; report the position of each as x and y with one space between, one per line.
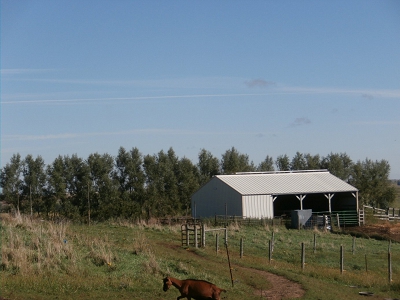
119 260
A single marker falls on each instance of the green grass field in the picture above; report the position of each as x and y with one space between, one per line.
119 260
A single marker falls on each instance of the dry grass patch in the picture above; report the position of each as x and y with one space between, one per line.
101 253
30 246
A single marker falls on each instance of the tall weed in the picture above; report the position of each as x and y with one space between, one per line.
101 253
30 246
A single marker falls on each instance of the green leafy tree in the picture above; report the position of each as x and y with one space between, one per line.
130 175
283 163
77 175
11 181
313 161
372 180
233 161
266 165
34 182
56 185
188 182
162 196
104 200
339 164
298 162
151 201
171 177
208 166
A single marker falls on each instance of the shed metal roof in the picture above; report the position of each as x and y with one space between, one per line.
279 183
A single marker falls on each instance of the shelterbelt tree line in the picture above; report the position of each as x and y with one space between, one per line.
136 186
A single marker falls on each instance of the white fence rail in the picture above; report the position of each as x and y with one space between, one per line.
390 214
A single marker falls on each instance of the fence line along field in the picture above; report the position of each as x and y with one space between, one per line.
119 259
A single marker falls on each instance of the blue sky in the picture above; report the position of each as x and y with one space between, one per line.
266 77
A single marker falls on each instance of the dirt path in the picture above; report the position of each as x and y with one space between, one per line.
386 230
282 288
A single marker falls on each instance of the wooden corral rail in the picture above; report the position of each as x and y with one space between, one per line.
390 214
190 233
361 217
223 220
334 219
319 220
345 218
204 230
176 220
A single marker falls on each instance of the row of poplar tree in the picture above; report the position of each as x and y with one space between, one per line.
136 186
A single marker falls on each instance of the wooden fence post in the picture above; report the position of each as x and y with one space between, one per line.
187 236
216 243
229 262
269 251
203 235
195 235
390 267
241 247
315 243
341 259
272 241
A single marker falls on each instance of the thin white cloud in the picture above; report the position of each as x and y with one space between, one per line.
41 137
148 131
50 101
334 111
168 83
259 83
201 82
91 134
5 72
204 83
376 123
300 121
367 96
368 93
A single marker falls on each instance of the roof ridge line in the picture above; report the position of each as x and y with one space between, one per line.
281 172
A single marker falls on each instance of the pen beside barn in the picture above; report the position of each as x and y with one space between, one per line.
272 194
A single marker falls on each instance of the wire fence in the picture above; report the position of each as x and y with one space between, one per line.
308 250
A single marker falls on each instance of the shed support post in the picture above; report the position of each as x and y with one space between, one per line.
195 235
187 235
329 197
203 235
301 198
195 212
356 196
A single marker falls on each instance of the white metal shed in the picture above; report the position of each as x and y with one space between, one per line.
263 195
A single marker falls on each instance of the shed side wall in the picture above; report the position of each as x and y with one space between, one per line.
214 198
258 206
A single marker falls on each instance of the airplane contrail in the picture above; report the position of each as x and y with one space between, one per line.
368 94
127 98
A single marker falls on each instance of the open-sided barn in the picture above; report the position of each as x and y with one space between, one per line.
272 194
